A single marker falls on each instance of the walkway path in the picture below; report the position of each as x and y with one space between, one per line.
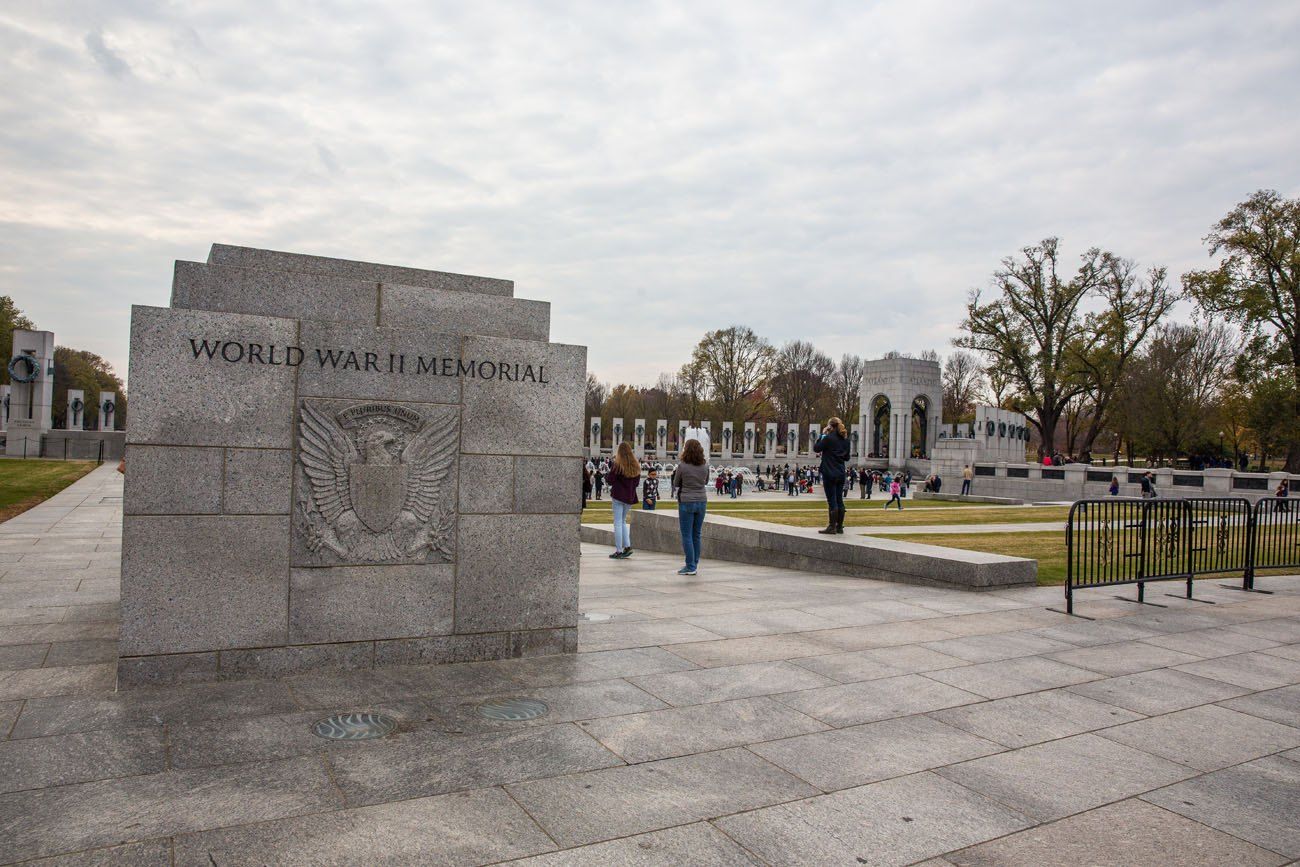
745 716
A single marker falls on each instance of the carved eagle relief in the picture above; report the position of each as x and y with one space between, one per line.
376 482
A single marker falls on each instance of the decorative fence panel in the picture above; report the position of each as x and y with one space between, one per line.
1117 541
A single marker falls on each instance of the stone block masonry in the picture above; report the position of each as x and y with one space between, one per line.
338 465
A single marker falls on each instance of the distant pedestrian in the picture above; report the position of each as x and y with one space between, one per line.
586 484
1114 486
1148 485
688 483
598 482
624 477
967 476
895 494
864 484
1283 491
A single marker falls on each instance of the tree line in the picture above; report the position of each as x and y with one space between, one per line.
1084 349
73 368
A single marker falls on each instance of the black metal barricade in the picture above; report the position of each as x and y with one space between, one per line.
1118 540
1276 522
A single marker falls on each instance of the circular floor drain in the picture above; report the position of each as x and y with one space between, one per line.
514 709
354 726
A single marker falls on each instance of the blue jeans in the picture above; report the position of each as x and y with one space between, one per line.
622 532
834 489
690 519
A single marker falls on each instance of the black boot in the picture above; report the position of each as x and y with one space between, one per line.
830 523
839 522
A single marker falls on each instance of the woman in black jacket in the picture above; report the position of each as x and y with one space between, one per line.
833 446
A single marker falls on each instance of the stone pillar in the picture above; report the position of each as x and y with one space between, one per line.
617 434
107 411
4 407
814 431
681 436
661 438
638 441
750 435
792 440
1218 482
1076 475
769 440
593 430
855 441
30 403
727 434
76 409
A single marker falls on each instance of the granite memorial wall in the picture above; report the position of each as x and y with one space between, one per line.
335 464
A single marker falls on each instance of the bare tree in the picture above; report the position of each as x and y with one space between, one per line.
734 364
846 386
963 381
1111 338
800 380
1027 329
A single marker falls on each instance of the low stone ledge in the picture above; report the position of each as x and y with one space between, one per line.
967 498
763 544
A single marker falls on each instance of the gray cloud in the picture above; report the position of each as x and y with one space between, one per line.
834 171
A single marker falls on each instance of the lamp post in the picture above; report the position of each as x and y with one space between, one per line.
1222 453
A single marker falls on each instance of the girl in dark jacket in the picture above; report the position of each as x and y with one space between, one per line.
833 446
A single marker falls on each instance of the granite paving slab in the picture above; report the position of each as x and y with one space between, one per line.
698 728
1124 657
863 754
1286 651
579 701
1009 677
1253 670
699 845
60 680
601 805
464 828
65 714
991 648
1158 691
1130 833
1023 720
153 853
1282 630
71 818
728 682
38 763
871 700
1257 801
878 662
898 821
424 762
1208 737
1209 643
1034 779
1279 705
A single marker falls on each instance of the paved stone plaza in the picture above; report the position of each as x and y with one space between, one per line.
748 715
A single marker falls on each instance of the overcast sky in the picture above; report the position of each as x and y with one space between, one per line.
839 172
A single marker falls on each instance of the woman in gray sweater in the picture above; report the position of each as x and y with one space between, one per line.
689 484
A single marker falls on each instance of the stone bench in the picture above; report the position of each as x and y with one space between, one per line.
765 544
968 498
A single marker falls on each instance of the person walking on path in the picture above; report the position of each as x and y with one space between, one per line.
864 484
1114 486
833 446
598 482
624 476
967 475
1282 493
586 484
1148 485
895 494
688 483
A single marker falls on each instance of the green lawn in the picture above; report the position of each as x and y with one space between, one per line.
868 513
1047 548
24 484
